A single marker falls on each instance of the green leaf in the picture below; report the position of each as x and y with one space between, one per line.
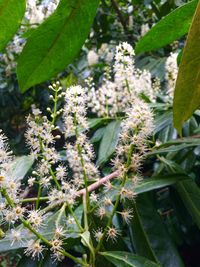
161 122
11 14
190 194
45 261
150 237
109 141
187 91
158 182
20 166
125 259
97 135
56 42
168 29
176 145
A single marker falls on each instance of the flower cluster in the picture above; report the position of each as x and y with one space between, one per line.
36 13
76 183
171 73
119 90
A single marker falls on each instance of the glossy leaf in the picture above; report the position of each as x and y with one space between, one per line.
158 182
20 166
108 142
187 91
168 29
176 145
97 135
11 14
190 194
56 42
150 237
126 259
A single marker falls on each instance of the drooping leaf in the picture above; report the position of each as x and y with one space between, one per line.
56 42
126 259
187 91
11 14
150 237
168 29
190 194
108 142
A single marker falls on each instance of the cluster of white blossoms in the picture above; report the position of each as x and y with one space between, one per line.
120 88
61 184
80 154
132 145
171 73
36 13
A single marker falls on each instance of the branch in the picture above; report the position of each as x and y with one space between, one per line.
119 13
97 184
81 192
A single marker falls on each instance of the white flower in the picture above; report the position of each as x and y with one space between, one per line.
127 215
34 248
98 234
56 244
112 233
35 218
75 109
15 236
171 73
92 58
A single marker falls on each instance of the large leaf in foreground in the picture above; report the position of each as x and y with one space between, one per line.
11 14
150 237
126 259
56 42
187 91
168 29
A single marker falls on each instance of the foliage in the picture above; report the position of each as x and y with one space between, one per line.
188 77
162 227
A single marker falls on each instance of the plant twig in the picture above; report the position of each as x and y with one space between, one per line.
120 15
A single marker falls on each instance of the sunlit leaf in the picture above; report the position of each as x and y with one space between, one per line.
187 91
168 29
11 14
56 42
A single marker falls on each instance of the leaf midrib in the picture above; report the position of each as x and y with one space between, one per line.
57 37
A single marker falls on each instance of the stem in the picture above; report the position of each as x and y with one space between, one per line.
33 199
87 206
85 214
38 197
111 216
75 218
54 178
54 114
128 162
